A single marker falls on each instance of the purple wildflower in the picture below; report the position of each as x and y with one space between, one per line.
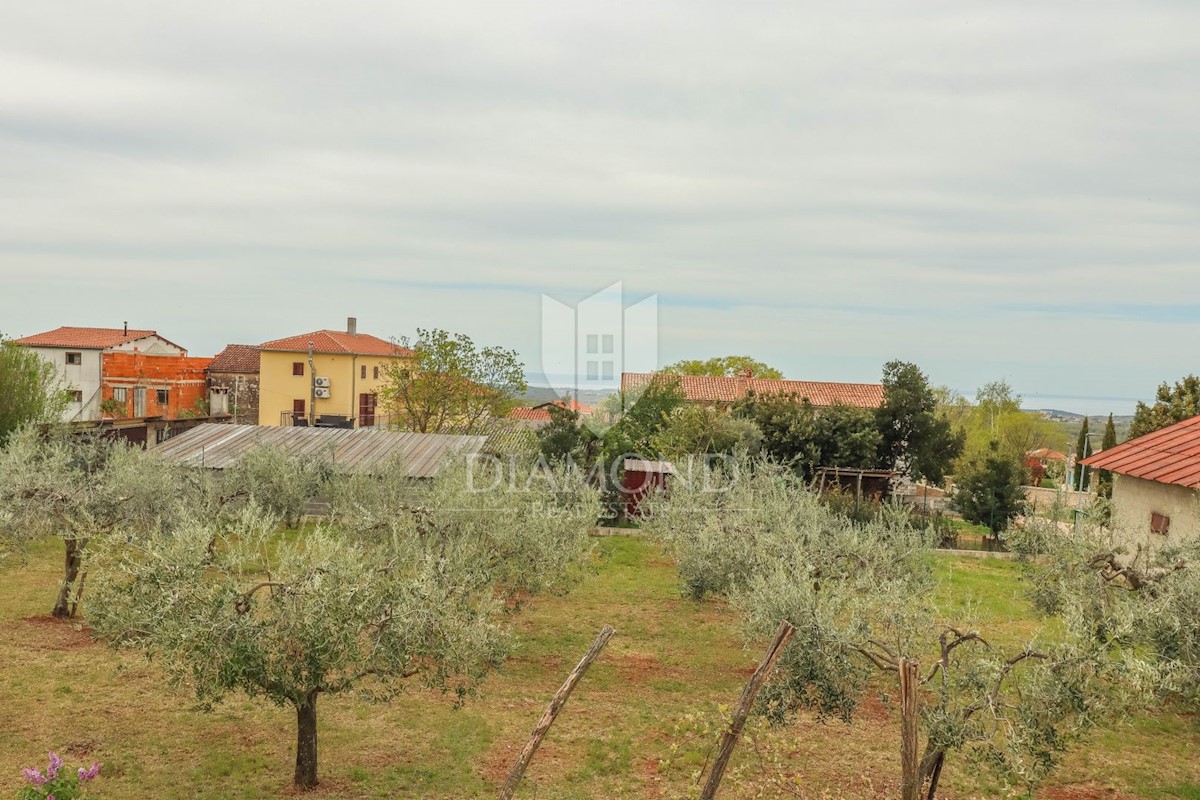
55 766
34 776
91 772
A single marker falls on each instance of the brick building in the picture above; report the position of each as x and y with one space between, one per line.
145 385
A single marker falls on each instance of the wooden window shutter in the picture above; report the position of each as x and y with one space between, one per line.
1160 523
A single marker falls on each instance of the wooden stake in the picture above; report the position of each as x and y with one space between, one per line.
517 772
910 687
729 739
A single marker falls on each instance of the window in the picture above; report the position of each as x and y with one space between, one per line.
297 367
120 393
593 370
608 343
74 358
405 374
139 401
375 375
363 371
76 396
606 370
1160 523
593 343
162 396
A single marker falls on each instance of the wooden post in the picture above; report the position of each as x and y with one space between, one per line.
517 772
910 687
729 739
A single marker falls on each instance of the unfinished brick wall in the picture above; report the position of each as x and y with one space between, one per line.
182 380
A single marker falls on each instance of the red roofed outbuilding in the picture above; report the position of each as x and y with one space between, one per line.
1156 491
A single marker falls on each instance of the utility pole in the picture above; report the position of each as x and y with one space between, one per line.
1085 473
312 388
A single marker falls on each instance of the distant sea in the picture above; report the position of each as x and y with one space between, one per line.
1081 404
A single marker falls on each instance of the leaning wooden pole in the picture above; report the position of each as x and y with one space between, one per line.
517 772
910 688
729 739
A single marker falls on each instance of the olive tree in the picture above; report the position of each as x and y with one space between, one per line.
862 599
81 487
1141 598
403 584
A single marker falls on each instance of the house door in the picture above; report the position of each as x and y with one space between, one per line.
298 410
366 410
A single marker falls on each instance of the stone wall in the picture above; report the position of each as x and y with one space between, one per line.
236 394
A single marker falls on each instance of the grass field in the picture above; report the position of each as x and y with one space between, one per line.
641 724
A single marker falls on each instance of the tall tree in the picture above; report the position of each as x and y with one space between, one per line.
1083 449
914 438
804 438
1104 478
723 366
450 382
31 389
989 490
1171 404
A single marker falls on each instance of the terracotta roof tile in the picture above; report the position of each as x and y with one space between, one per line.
1170 455
363 344
236 358
708 389
85 338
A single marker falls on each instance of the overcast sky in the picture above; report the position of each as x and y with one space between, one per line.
1004 189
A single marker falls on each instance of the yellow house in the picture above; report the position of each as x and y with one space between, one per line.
329 378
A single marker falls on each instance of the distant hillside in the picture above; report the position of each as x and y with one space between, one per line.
536 395
1072 422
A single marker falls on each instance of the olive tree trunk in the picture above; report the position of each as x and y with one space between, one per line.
306 742
71 588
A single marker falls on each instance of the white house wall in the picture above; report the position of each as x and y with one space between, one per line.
1134 499
83 377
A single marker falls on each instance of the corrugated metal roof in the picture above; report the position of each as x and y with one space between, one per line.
219 446
715 389
1170 455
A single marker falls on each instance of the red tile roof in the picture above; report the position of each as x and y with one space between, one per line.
85 338
340 342
236 358
1170 455
541 413
708 389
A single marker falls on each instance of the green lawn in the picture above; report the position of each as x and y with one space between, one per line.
641 723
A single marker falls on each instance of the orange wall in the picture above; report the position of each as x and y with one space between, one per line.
183 378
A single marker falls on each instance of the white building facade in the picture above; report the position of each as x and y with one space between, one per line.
76 355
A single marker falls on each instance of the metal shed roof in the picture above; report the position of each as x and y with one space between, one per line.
218 446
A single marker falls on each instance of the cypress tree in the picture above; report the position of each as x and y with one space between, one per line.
1104 476
1082 451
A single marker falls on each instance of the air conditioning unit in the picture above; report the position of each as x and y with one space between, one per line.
321 382
322 392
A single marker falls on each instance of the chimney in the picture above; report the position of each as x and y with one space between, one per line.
126 327
352 325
